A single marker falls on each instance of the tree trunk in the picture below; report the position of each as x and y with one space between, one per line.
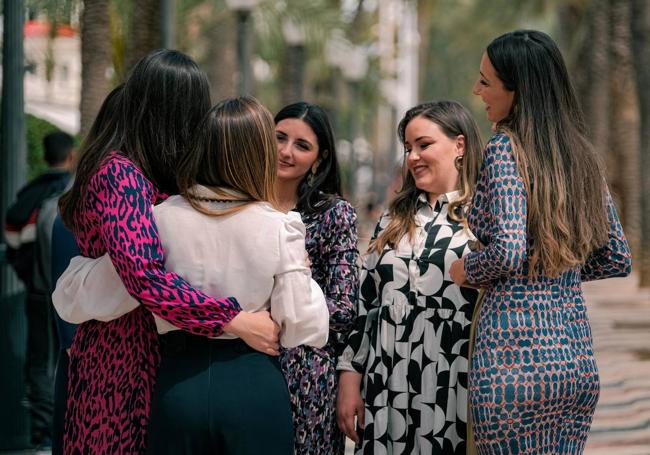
593 86
624 121
145 31
221 55
640 25
292 77
95 60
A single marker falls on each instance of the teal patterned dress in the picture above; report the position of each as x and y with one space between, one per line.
533 384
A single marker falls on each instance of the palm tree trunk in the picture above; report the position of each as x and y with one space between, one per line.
593 86
95 60
292 78
221 55
640 25
624 121
145 31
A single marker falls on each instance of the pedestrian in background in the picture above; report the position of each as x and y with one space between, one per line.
24 256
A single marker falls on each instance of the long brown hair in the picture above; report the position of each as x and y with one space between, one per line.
563 177
235 155
152 120
454 120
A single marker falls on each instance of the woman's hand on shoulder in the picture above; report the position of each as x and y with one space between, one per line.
257 330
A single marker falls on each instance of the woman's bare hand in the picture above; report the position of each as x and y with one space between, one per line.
349 404
457 274
257 330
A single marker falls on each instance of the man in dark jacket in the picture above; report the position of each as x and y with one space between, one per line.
20 236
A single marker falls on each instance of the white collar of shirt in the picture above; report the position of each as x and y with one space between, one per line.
445 197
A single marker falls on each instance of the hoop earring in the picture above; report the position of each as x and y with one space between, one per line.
458 163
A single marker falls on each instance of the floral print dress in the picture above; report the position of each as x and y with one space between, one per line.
310 372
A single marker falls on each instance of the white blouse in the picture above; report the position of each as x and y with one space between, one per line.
256 255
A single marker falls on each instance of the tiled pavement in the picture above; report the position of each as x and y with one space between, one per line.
620 319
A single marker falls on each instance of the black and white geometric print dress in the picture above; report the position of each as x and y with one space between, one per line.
411 339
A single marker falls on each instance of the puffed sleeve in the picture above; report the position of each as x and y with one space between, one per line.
500 201
91 289
122 197
357 342
612 259
297 303
342 276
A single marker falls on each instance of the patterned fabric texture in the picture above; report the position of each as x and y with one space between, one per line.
533 378
411 339
310 372
113 364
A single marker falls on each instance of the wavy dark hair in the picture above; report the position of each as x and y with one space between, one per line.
152 123
454 120
326 184
563 176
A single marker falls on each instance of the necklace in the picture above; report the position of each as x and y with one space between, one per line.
210 199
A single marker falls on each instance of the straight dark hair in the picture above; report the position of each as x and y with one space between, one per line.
454 120
563 176
159 107
326 183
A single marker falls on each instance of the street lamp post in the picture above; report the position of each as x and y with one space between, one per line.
13 416
243 10
354 67
168 19
13 120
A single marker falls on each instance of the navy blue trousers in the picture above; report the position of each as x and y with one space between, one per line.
218 397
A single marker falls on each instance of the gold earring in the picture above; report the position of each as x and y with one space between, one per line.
458 162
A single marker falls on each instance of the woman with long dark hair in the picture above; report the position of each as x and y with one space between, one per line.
63 249
546 219
404 366
309 182
121 174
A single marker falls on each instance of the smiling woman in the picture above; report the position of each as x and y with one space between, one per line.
308 182
431 156
497 97
547 222
409 345
297 149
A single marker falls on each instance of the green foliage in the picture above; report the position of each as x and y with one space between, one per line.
37 129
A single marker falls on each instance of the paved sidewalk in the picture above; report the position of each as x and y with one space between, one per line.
620 320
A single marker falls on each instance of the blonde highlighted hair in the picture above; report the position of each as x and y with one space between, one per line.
454 120
563 176
235 155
